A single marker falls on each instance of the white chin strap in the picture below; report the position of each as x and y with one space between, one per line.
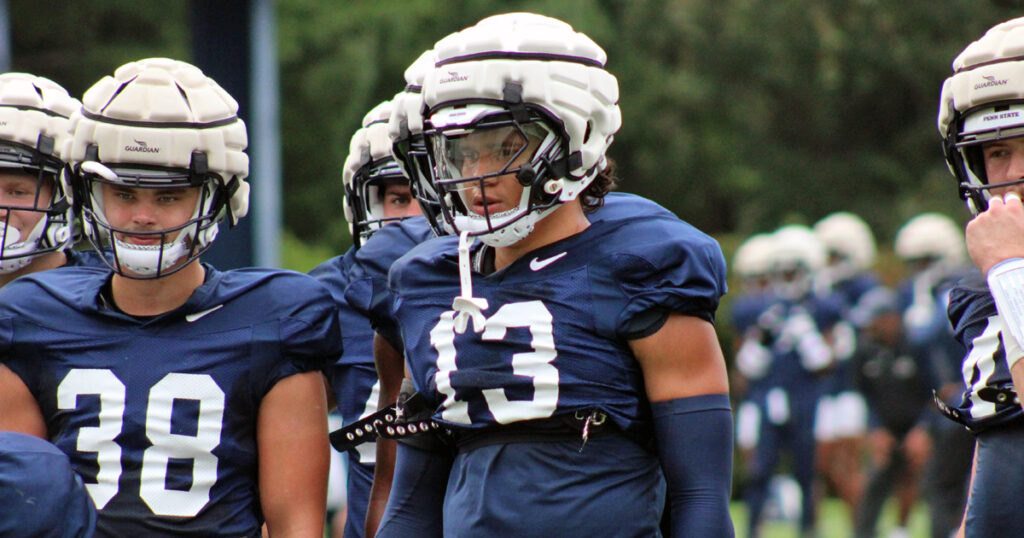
145 260
505 234
13 246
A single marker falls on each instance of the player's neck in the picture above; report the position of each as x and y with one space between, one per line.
157 296
50 260
566 221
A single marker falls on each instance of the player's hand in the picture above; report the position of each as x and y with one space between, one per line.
998 233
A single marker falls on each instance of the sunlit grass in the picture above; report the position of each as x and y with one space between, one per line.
833 522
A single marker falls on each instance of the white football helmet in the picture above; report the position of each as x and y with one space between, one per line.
532 78
34 114
983 101
754 259
931 240
408 146
798 256
159 123
849 244
369 168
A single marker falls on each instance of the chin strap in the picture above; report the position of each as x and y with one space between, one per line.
465 305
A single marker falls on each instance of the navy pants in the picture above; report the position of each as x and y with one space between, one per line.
994 508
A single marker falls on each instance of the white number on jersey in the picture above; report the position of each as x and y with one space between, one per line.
165 444
535 364
982 359
368 451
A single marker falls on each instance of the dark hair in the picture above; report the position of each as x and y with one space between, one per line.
606 181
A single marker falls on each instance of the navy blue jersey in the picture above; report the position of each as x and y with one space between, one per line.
353 380
368 291
748 307
83 258
929 330
980 329
158 414
353 376
367 288
793 367
558 321
853 289
851 293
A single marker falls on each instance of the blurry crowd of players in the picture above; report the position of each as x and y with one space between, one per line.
836 369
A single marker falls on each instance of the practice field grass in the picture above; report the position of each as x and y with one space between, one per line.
833 522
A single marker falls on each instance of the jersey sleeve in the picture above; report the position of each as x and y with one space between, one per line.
368 291
671 272
311 333
12 296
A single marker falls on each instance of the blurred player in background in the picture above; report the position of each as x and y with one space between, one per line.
842 413
932 248
752 264
794 337
897 385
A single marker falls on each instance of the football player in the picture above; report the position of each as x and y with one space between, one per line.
897 385
842 412
795 332
752 264
931 246
557 351
377 192
980 120
36 214
180 393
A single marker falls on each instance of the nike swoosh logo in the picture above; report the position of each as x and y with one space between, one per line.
193 317
537 264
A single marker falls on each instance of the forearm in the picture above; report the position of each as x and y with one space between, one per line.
383 475
390 371
695 447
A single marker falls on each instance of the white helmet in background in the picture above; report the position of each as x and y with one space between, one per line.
160 123
369 169
931 240
798 256
34 114
754 259
849 244
981 102
531 77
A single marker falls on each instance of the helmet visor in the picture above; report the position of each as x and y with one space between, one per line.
477 154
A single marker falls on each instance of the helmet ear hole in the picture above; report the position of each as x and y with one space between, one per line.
586 134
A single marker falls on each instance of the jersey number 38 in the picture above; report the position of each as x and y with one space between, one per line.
166 445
